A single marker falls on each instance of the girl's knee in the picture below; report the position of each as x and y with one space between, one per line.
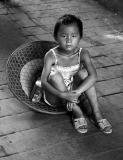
83 74
56 78
57 81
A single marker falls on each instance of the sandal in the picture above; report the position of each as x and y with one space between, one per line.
80 125
104 126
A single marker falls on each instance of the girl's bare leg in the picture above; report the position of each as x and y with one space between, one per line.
92 97
78 119
58 82
55 80
103 124
91 94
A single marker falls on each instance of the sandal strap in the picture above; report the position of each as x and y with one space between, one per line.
78 122
103 123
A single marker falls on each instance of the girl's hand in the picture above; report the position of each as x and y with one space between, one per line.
77 92
70 96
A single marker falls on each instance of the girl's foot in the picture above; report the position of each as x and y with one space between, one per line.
80 125
104 126
78 118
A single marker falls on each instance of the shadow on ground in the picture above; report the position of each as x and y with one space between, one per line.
10 36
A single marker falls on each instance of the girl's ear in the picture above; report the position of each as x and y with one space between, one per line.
56 39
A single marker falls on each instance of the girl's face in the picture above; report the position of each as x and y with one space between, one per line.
68 37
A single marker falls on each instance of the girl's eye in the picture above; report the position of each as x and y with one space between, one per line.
64 36
74 35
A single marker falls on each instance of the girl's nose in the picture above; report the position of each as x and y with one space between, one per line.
68 40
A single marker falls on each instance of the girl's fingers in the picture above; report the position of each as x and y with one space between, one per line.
75 101
75 93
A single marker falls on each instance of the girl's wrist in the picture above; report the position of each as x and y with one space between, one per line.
61 95
79 92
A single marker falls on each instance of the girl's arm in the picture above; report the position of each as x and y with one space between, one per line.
92 75
48 62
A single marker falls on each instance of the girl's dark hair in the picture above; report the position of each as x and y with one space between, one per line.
68 19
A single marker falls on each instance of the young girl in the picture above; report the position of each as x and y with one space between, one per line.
62 64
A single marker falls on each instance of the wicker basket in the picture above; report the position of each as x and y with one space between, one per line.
24 66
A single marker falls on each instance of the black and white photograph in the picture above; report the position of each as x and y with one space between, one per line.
61 79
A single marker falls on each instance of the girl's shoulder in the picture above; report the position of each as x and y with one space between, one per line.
84 56
52 51
84 53
49 56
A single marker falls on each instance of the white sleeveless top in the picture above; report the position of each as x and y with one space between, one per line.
66 72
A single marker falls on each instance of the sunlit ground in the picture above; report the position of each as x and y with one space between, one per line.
116 37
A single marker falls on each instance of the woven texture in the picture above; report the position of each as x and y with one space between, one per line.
24 66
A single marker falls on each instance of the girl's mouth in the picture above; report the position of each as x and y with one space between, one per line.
69 45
